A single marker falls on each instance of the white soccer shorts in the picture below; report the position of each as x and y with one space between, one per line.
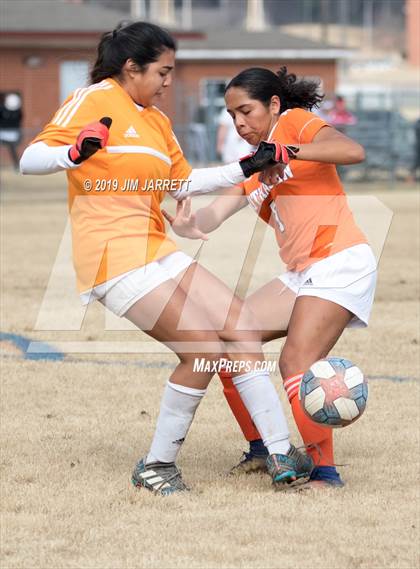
347 278
120 293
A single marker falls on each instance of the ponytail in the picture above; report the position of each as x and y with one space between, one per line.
301 93
140 41
261 84
106 64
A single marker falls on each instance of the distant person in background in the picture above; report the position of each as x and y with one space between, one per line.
10 124
198 147
230 146
339 117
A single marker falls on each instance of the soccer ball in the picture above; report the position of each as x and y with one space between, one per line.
333 392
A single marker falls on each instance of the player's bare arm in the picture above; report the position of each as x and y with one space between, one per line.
196 225
329 146
332 147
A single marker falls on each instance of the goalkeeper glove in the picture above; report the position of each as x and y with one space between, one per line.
267 154
91 139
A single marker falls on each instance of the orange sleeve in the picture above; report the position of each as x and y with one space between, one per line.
75 113
303 125
180 168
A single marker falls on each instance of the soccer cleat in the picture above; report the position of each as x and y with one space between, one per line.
291 467
325 476
162 478
250 462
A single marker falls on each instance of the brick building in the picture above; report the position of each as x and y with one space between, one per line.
46 49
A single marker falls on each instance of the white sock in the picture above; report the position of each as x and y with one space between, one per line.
262 401
178 406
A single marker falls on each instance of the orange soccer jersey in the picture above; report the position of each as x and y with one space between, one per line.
308 208
114 197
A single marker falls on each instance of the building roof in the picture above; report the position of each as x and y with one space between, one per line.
268 44
55 16
242 39
57 23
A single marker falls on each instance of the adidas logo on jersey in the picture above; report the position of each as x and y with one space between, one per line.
308 282
131 133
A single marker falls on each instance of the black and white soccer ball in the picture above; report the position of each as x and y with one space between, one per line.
333 392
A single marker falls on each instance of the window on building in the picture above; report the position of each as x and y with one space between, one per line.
73 74
212 90
212 99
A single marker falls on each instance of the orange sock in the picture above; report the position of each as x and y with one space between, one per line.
311 432
238 408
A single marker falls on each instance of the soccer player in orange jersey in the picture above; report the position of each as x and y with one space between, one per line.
331 270
121 158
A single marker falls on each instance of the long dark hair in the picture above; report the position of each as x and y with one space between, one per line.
262 84
140 41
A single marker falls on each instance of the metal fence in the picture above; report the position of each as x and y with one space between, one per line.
389 142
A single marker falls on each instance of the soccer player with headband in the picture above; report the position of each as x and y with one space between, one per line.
331 270
120 156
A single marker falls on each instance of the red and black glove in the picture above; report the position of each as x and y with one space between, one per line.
287 153
267 154
91 139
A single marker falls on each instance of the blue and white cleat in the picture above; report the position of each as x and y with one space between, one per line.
161 478
295 466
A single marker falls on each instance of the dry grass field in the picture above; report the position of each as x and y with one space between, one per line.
72 428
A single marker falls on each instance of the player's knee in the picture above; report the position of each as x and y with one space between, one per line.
241 327
203 345
298 357
236 343
290 362
247 319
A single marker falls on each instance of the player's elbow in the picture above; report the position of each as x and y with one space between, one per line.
356 154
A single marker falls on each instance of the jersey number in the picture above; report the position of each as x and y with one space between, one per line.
279 222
